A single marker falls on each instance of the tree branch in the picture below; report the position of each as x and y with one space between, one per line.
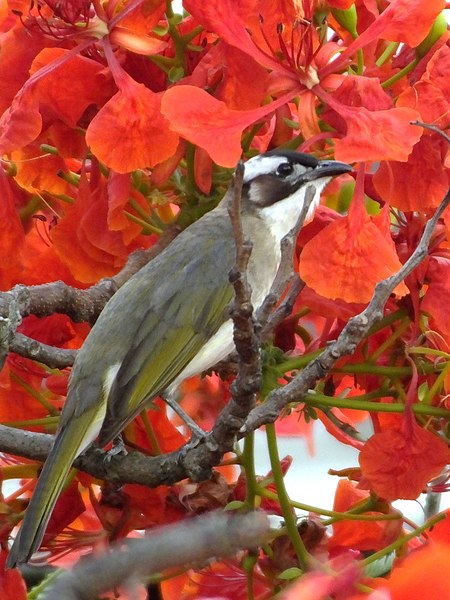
215 535
57 297
197 462
352 334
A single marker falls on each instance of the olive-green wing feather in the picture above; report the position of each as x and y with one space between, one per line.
184 309
50 483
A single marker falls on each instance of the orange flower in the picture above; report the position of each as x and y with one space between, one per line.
349 257
360 535
398 463
129 132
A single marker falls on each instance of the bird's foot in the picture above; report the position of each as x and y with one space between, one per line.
118 449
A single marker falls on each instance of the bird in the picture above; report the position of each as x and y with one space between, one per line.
171 319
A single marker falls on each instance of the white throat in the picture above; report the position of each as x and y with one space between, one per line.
282 216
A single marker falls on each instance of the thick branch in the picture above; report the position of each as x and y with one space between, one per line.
190 542
197 461
57 297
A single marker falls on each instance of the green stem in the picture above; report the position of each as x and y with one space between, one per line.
428 352
156 448
30 208
388 52
146 227
437 385
398 332
318 400
285 502
360 64
389 319
190 169
402 540
39 397
248 463
163 62
44 422
352 515
412 65
188 37
385 370
299 362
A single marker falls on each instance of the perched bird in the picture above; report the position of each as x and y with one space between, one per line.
170 320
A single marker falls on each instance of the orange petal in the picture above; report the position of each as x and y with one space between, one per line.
424 569
21 123
430 95
82 239
397 464
66 91
348 258
130 132
418 184
377 135
438 276
360 535
11 233
209 123
11 582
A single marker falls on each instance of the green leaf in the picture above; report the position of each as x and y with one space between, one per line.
291 573
235 505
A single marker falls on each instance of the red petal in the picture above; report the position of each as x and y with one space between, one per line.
21 123
130 132
83 240
18 49
230 22
377 135
431 95
66 91
407 21
438 275
12 584
355 252
11 233
418 184
362 535
209 123
424 569
399 465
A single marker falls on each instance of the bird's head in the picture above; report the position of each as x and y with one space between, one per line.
275 183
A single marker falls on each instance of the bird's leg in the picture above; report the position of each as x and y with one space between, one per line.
118 446
170 398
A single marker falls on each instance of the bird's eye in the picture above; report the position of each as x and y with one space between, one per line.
285 169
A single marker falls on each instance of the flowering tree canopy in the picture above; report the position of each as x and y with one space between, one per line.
121 122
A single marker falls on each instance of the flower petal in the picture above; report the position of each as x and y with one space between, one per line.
130 132
398 464
348 258
377 135
418 184
209 123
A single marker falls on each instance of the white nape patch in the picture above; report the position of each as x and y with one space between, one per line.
263 165
283 215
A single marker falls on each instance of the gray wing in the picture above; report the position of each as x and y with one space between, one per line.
185 294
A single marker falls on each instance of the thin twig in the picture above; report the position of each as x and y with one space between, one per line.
433 128
352 334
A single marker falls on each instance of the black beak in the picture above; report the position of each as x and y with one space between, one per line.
328 168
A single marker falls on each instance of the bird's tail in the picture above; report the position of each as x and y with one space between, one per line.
48 488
